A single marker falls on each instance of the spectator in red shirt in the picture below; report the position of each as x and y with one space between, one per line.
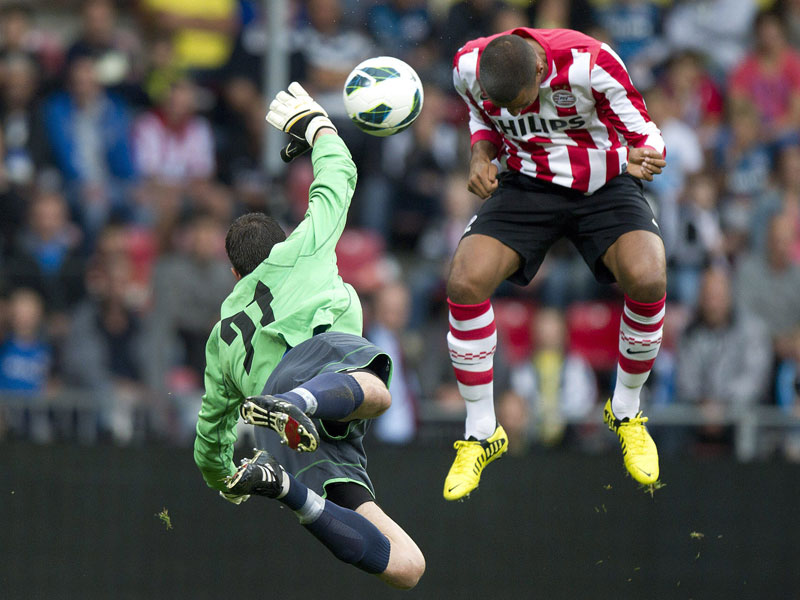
173 144
696 98
770 78
174 151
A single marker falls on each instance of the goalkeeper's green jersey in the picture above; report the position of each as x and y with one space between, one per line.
295 293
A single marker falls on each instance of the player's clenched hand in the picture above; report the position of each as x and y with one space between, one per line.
296 113
482 177
645 162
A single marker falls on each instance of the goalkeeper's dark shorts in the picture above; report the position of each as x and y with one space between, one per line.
529 215
338 468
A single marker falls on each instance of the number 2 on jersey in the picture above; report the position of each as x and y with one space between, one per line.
245 325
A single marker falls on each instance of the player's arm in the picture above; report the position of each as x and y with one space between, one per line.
485 139
622 104
335 173
216 423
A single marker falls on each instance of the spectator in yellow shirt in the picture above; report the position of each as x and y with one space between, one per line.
203 31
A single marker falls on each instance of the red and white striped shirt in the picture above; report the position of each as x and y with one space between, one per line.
578 131
173 154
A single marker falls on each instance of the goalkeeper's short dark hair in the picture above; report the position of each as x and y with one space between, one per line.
250 240
507 66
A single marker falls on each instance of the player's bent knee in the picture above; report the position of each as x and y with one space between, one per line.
645 279
380 400
407 575
463 289
377 398
647 286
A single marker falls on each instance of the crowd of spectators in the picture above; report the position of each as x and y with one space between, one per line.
131 134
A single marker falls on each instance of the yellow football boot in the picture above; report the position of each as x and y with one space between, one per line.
638 448
471 457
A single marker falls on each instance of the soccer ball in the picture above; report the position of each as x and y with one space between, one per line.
383 95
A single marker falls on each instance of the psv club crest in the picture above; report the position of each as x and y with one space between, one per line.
564 99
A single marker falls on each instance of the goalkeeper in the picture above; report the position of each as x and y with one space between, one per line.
288 356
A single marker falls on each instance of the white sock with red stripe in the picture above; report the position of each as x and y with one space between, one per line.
639 341
472 341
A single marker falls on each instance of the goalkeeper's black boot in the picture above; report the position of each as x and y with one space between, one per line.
296 428
261 475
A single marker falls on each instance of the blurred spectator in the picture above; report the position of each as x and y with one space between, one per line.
25 356
466 20
417 161
699 240
718 29
724 357
202 31
686 158
18 36
634 28
768 284
89 136
117 51
769 79
514 414
783 197
174 152
436 246
172 144
189 286
22 142
790 15
695 97
548 14
398 425
787 394
15 29
103 353
557 385
660 386
744 158
46 256
23 138
325 51
572 14
239 121
509 17
745 166
161 70
399 25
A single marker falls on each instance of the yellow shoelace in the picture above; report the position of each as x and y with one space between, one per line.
463 460
639 439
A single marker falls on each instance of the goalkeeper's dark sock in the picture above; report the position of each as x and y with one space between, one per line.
349 536
327 396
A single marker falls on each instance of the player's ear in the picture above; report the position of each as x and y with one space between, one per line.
236 273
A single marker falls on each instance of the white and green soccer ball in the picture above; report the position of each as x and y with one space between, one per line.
383 95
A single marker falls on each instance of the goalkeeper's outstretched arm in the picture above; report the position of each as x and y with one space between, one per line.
296 113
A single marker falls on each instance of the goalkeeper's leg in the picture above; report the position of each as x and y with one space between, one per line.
330 396
345 396
366 537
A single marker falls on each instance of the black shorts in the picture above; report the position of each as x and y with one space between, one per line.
340 459
529 215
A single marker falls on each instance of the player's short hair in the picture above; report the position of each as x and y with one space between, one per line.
507 66
250 240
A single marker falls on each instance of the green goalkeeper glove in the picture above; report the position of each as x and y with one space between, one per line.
296 113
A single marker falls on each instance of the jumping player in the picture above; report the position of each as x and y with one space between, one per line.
557 110
288 356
